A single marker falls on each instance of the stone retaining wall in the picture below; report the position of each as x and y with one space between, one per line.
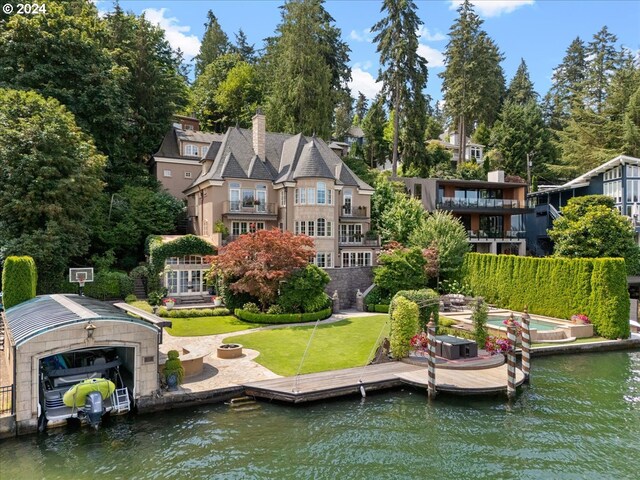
347 281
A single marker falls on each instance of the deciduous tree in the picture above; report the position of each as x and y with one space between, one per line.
257 262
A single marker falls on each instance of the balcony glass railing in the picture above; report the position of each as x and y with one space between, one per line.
251 208
451 202
507 234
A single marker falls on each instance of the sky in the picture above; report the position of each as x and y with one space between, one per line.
537 30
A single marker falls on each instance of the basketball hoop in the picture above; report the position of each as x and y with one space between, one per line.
81 276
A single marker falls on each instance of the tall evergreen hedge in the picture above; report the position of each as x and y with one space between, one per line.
555 287
19 280
428 302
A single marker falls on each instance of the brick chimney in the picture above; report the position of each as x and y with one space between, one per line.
259 133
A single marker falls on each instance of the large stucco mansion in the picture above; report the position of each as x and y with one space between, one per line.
246 180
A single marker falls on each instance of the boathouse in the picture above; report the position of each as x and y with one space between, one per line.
54 342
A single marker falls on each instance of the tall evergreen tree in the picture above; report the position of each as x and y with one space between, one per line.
306 68
520 89
376 148
403 75
343 117
602 61
567 85
362 105
214 43
243 48
631 132
473 80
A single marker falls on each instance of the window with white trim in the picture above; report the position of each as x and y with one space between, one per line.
329 197
240 228
356 259
234 197
321 227
311 231
303 196
187 174
283 198
311 196
191 150
167 173
350 233
322 193
323 260
347 201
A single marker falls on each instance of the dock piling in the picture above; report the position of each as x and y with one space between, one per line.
431 359
511 358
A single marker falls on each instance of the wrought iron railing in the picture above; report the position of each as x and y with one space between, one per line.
6 398
451 202
357 212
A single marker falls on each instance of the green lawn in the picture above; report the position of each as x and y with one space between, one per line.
192 327
343 344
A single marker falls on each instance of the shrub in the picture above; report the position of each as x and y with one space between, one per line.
131 298
479 315
257 317
19 280
401 269
155 298
174 365
377 297
555 287
193 312
428 302
233 299
109 285
446 322
275 310
455 332
404 325
381 308
303 291
251 307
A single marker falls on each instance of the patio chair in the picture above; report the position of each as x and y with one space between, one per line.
445 303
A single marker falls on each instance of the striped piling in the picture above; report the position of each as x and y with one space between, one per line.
526 345
431 358
511 358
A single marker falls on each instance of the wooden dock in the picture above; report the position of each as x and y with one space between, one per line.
338 383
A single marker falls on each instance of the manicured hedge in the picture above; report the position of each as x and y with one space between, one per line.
19 280
379 308
193 312
109 285
555 287
404 325
428 302
282 318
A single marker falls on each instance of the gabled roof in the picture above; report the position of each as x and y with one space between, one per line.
287 158
170 147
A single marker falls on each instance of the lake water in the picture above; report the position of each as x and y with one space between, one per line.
579 419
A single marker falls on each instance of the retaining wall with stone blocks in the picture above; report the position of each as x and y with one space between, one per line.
347 281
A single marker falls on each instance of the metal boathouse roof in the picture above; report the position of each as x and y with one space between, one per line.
49 312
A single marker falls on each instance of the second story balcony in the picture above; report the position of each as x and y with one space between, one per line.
452 203
496 234
254 208
359 240
352 212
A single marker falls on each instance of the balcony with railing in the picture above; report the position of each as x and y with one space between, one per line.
352 212
256 207
358 240
496 235
452 203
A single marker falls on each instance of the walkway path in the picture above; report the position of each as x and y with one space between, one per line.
220 373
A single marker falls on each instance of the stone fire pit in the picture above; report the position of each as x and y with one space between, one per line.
230 350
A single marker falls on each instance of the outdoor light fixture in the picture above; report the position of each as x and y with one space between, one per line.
90 328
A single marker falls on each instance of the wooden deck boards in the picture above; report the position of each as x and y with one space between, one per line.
318 386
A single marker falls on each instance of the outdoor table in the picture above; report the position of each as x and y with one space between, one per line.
453 348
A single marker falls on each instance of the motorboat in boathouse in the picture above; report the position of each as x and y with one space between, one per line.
76 357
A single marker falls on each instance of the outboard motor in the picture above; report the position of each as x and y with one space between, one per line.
93 408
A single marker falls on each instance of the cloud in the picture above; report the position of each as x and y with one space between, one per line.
176 34
493 8
433 56
362 36
423 32
364 82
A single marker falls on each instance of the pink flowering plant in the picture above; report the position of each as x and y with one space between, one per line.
518 325
580 318
168 300
496 345
420 342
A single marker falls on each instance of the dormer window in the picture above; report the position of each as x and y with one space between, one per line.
191 150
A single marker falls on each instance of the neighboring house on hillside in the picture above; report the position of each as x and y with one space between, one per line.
176 164
619 178
342 147
492 212
262 180
473 151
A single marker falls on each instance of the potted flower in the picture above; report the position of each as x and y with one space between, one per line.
580 319
217 301
169 303
420 342
496 345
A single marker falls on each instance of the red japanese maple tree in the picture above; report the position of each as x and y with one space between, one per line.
257 262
